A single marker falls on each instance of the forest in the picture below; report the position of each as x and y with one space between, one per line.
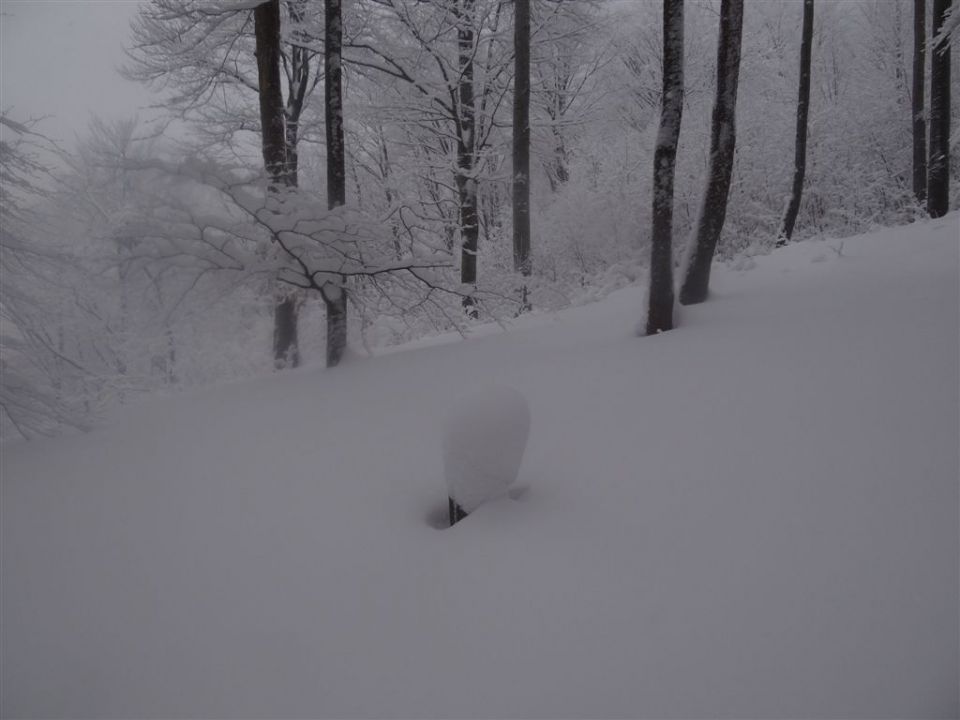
325 179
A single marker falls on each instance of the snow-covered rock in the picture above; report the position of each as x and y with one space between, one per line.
483 442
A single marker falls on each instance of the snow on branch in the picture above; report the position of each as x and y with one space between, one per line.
209 216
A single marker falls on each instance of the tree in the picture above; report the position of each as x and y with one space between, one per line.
200 52
521 143
466 179
919 117
31 398
938 177
703 243
82 326
452 61
660 298
266 20
334 296
803 108
565 79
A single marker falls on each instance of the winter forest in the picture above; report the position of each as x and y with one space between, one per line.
349 177
702 252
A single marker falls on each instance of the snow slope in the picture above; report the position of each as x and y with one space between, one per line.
755 515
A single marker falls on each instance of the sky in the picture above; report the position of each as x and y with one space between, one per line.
59 59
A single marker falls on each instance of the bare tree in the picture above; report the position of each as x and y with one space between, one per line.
521 143
334 295
453 58
938 168
266 19
803 110
31 365
198 52
919 116
660 298
565 80
466 179
723 137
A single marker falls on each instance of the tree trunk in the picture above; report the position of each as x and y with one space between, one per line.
266 18
803 107
335 299
457 513
919 119
660 299
696 280
521 143
297 84
938 177
285 345
466 176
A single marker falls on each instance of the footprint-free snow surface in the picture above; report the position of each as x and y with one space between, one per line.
755 515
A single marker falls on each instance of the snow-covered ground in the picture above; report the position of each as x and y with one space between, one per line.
755 515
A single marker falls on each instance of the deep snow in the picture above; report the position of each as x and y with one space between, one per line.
755 515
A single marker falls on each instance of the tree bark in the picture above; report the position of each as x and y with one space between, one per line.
466 180
803 108
456 512
286 353
938 167
266 19
335 298
521 143
660 299
919 118
723 138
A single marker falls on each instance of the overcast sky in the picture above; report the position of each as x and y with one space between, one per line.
59 58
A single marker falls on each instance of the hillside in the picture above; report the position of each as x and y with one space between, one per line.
755 515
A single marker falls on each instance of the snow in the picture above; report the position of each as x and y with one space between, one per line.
484 437
753 515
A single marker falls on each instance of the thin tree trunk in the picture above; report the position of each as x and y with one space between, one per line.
696 282
919 118
938 177
266 18
456 512
335 298
297 85
466 180
660 299
521 144
803 108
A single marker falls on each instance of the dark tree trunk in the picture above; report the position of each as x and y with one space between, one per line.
660 300
696 281
803 108
919 118
938 177
466 180
285 345
335 298
266 18
521 143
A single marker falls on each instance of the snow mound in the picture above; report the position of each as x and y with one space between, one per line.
484 437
